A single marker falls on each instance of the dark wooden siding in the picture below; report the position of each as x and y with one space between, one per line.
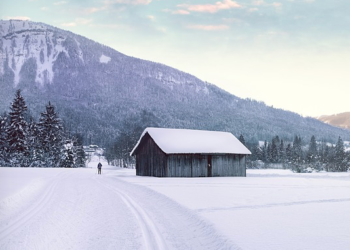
196 165
150 159
242 165
187 165
199 165
228 165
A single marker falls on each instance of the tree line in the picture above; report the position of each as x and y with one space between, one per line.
299 156
296 155
46 143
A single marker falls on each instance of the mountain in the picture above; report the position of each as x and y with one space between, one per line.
341 120
99 92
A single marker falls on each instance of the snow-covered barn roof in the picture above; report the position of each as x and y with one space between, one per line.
186 141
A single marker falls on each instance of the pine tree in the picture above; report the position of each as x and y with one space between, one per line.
16 132
35 152
312 154
80 156
51 136
3 140
269 153
297 151
241 139
282 153
325 156
258 151
264 152
67 160
348 161
340 156
297 155
79 151
274 150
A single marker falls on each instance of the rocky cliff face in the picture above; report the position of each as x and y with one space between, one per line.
23 41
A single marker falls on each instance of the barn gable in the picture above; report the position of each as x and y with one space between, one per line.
150 159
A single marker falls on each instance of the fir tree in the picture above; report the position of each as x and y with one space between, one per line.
282 153
265 152
3 140
241 139
79 151
68 155
35 150
297 151
269 153
326 156
51 136
312 154
258 151
16 132
297 155
340 157
289 153
274 150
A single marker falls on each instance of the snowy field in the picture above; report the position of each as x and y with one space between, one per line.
78 209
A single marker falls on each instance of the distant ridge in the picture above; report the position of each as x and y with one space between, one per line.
341 120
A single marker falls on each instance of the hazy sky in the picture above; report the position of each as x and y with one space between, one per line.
291 54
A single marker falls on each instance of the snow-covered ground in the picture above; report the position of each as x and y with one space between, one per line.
78 209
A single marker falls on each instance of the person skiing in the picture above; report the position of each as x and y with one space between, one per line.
99 167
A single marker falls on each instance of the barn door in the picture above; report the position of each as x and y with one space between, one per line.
209 166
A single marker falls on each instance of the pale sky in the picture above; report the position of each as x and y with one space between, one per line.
290 54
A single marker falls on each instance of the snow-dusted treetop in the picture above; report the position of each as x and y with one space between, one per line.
186 141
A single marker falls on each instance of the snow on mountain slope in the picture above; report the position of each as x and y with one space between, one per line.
19 45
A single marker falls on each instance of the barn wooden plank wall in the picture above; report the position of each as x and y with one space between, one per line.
187 165
199 165
196 165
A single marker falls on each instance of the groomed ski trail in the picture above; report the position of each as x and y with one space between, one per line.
152 237
78 209
17 223
165 223
69 211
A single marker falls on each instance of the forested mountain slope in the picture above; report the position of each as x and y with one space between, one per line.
99 91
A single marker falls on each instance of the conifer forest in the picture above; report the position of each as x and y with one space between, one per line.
25 142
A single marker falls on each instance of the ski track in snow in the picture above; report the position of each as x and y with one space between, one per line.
70 212
151 235
166 224
24 217
273 205
78 209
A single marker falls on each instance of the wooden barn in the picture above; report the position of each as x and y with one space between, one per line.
164 152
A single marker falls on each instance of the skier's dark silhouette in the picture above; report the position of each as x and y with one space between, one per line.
99 167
